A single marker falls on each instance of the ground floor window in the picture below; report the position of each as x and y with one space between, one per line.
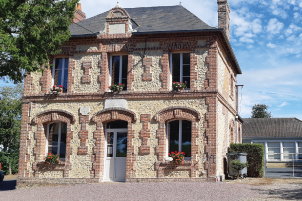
56 139
281 150
179 137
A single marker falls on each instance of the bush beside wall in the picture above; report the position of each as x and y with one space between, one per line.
255 157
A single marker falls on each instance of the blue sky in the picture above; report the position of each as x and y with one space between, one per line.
266 36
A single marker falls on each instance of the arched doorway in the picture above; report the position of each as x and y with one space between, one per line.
116 150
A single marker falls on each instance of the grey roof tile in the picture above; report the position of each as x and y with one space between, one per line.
149 19
271 127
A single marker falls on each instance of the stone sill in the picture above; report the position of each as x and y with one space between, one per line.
42 166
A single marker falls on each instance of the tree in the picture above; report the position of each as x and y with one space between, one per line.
30 31
260 111
237 165
10 123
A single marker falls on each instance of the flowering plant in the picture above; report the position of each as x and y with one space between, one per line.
56 89
178 157
116 87
52 159
177 86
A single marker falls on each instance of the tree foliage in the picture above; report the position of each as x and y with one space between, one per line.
30 31
260 111
10 123
237 165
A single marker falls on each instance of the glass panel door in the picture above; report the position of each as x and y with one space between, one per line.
121 144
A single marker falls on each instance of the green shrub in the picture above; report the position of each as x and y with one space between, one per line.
255 157
237 165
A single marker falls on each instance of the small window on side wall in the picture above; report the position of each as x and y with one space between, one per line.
179 137
60 73
56 139
119 70
180 68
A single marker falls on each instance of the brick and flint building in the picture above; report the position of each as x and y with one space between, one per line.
102 135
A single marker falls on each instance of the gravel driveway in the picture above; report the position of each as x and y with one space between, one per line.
158 191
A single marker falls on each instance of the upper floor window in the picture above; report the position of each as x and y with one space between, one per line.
180 67
60 73
119 70
56 139
179 137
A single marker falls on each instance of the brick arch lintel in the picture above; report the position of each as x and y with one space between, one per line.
100 116
186 113
54 113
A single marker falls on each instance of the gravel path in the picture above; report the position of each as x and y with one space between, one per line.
160 191
137 191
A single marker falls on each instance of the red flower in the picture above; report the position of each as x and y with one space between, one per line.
54 85
47 162
172 152
169 154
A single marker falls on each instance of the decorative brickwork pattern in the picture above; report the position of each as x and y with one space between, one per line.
29 86
86 78
172 113
193 72
212 60
71 68
83 134
104 76
165 75
100 118
145 134
46 81
26 128
42 120
147 76
130 76
211 138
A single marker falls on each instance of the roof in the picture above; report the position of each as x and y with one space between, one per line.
149 19
271 127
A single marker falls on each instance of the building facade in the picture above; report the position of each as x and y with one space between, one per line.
102 135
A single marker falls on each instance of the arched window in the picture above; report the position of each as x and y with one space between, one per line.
179 136
56 139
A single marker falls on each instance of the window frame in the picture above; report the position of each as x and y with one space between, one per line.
120 69
59 140
281 148
179 138
181 67
63 72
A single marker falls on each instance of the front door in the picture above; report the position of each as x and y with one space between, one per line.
115 155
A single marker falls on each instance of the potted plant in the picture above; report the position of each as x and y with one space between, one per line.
178 157
179 86
116 87
52 159
56 89
237 165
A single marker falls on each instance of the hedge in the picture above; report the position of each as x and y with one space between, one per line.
255 157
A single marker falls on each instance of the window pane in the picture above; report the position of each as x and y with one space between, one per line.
186 70
176 67
58 72
173 136
121 145
273 153
115 69
186 58
187 79
289 144
63 140
117 124
125 71
186 138
287 153
299 144
65 75
273 144
53 137
300 155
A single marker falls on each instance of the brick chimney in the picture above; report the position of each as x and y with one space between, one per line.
224 16
79 15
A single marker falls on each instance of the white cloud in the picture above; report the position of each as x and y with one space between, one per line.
245 39
271 45
257 28
291 29
274 26
296 15
291 38
283 104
